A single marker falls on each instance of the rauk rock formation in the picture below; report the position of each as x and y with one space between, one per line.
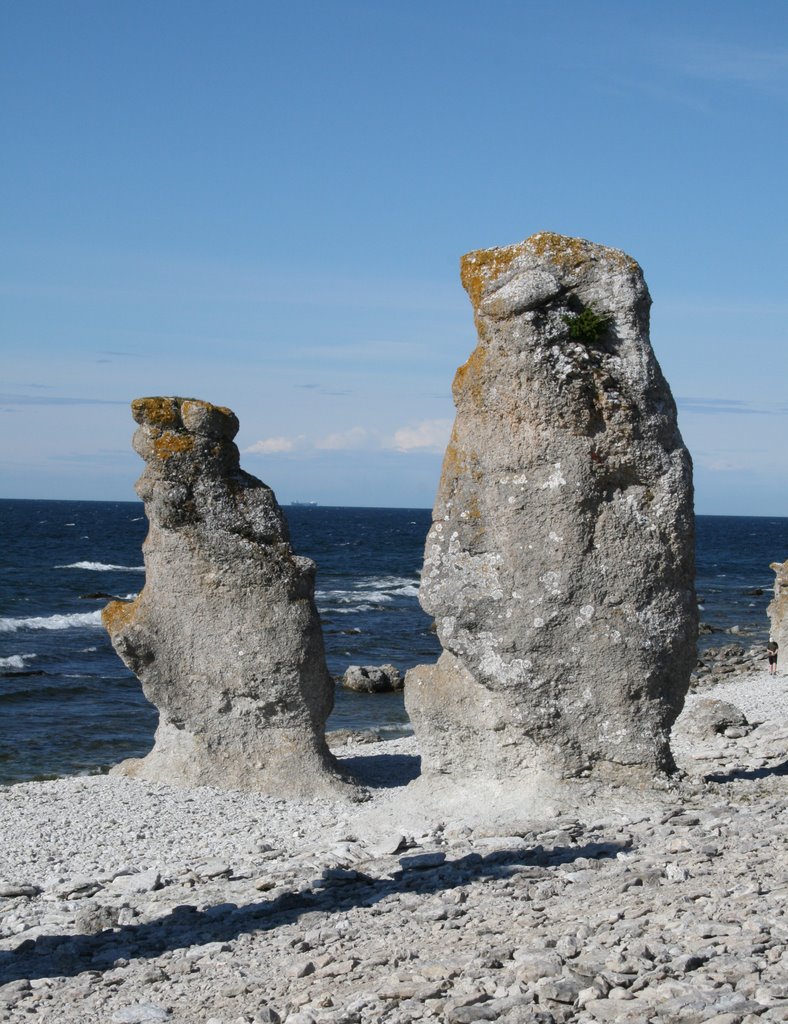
225 636
560 563
778 608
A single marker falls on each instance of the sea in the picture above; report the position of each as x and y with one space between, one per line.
68 705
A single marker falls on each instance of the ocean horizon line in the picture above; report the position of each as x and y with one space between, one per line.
294 503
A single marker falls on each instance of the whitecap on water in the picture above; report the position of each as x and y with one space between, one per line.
384 582
52 622
346 611
102 567
16 663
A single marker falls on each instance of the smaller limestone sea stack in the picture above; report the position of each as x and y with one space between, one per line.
560 563
778 608
225 636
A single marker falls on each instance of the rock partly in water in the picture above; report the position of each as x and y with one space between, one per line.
778 608
560 563
225 636
373 679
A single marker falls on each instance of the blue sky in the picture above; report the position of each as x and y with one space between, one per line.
264 205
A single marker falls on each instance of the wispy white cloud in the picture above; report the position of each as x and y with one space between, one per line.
624 87
342 440
716 406
426 436
744 65
273 446
728 407
369 350
56 400
345 440
726 465
681 68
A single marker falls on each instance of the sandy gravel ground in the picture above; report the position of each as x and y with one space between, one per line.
125 901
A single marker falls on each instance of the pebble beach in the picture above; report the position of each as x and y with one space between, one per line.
128 901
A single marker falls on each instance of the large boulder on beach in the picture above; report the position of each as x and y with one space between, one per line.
560 563
225 636
778 608
372 679
711 717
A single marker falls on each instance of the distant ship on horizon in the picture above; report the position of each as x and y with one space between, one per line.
310 504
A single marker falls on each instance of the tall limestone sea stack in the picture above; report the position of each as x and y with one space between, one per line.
778 608
225 636
560 563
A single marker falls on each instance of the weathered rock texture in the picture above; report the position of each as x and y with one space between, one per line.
778 608
225 636
560 563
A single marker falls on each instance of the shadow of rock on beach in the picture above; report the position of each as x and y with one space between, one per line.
748 774
68 955
383 771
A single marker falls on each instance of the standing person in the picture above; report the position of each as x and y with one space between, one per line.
771 649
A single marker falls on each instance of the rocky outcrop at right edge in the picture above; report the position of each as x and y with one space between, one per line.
778 609
560 563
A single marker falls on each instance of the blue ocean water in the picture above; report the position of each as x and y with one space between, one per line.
69 705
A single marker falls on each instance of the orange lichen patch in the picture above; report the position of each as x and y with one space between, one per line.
170 443
482 267
160 412
469 377
117 615
457 461
570 253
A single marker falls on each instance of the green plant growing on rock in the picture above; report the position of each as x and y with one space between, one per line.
588 326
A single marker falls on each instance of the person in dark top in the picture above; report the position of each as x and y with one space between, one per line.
771 649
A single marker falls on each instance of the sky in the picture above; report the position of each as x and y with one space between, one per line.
264 205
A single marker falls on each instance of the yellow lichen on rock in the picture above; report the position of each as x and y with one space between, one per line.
570 253
170 443
117 615
458 462
468 377
160 412
482 267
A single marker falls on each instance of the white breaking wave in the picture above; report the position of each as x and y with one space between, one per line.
102 567
16 661
373 589
52 622
385 582
351 596
346 611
